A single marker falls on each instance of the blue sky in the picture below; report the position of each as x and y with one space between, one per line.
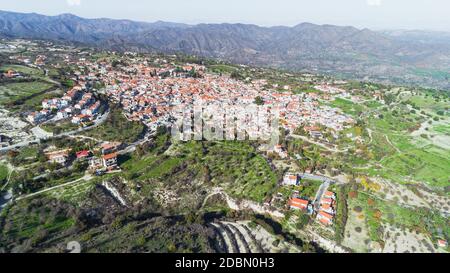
374 14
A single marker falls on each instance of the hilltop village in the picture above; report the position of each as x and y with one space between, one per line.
91 129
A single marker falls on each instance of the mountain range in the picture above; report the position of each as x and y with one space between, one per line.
406 57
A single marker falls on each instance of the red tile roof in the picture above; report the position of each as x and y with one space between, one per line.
110 156
82 154
298 203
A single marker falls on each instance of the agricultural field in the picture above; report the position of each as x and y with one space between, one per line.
418 165
74 194
25 155
429 103
373 216
25 70
396 149
222 68
347 106
443 129
12 92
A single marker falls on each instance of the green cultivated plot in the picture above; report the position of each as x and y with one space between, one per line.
430 103
347 106
444 129
12 92
72 193
222 68
27 71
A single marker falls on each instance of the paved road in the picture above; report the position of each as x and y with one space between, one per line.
323 187
132 147
319 195
38 133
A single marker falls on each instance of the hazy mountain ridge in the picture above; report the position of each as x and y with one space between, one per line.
384 56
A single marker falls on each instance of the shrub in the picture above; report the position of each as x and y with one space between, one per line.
353 194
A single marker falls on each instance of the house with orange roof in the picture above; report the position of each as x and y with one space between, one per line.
110 161
80 118
59 157
325 218
291 179
328 201
297 203
329 194
110 147
327 208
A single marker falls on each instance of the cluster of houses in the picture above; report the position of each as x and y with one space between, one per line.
296 202
327 208
330 89
76 104
326 211
107 161
150 93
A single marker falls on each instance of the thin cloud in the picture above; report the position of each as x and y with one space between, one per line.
73 2
374 3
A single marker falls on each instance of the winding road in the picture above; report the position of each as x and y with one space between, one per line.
42 136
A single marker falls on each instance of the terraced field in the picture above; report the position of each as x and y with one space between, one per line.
239 237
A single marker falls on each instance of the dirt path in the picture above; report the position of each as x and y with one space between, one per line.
390 143
319 144
11 169
82 179
369 131
244 204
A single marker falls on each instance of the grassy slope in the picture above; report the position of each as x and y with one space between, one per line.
117 128
3 174
377 212
390 134
20 90
232 165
